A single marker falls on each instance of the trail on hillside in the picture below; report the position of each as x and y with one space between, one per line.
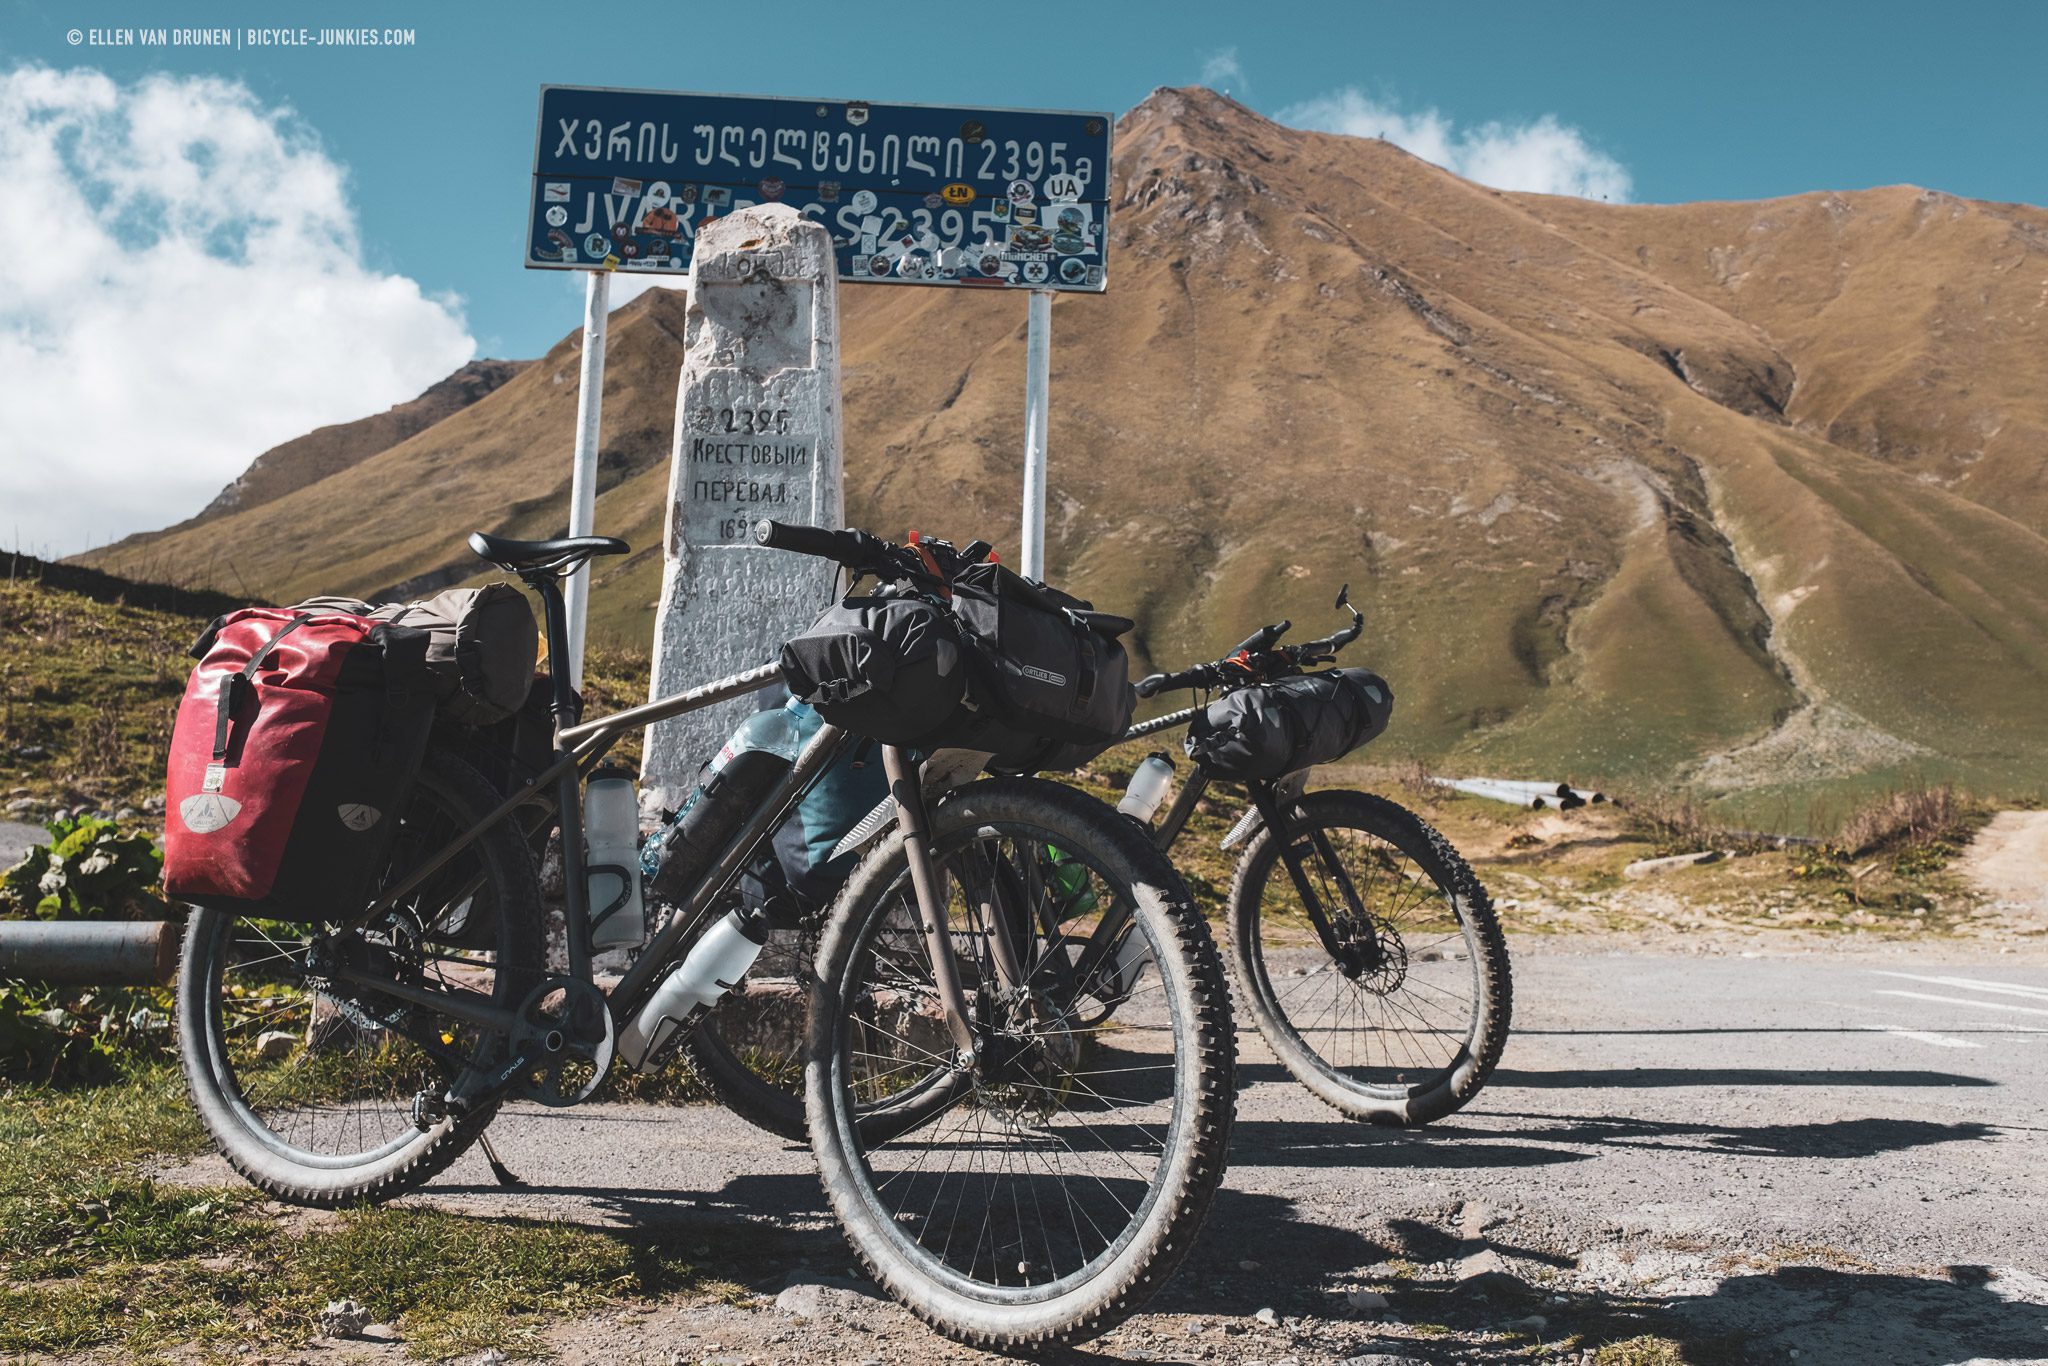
2009 858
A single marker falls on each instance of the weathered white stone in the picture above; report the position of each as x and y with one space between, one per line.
757 436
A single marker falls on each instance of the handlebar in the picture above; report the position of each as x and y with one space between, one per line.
854 549
1260 658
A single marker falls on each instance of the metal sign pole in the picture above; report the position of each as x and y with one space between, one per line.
1037 382
583 478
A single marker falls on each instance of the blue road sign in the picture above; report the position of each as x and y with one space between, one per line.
912 193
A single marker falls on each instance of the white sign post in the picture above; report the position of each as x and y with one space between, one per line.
1037 412
597 296
757 436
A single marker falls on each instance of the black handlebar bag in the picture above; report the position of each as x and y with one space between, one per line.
1050 683
1269 731
887 666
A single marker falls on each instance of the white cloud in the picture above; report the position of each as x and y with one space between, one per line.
1222 71
182 288
1545 156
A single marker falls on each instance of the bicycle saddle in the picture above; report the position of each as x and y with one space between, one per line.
560 554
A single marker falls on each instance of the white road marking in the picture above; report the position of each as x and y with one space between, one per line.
1964 1001
1972 984
1922 1036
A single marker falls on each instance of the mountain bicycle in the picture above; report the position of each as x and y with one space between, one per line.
1368 953
1011 1172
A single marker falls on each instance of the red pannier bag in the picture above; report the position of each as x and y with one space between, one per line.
294 750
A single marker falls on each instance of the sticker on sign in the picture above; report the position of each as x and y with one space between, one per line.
911 194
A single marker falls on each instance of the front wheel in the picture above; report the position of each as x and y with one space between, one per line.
1404 1022
1038 1192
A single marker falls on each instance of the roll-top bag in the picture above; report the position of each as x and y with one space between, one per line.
1277 728
481 646
885 666
1050 665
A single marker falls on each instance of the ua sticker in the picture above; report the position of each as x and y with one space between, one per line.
358 817
206 812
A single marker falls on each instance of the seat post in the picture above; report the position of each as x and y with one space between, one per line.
566 707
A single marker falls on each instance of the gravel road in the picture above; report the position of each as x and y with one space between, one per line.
1819 1158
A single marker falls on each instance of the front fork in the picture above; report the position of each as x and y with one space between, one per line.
906 788
1274 801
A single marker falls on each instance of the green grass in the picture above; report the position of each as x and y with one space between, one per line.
97 1256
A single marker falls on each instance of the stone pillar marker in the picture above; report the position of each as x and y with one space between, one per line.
757 436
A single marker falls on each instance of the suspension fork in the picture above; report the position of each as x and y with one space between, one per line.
1274 801
913 820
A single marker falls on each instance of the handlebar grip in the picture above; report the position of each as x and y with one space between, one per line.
1149 685
1261 640
846 547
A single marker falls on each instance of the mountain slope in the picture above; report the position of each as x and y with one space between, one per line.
1749 494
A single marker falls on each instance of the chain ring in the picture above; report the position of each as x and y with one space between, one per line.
557 1040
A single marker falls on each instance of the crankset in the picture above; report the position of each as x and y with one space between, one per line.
562 1043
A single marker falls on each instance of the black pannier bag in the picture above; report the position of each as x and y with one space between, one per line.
1277 728
481 651
887 666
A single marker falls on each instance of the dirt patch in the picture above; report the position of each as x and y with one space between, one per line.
2008 861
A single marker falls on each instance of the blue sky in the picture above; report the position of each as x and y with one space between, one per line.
434 142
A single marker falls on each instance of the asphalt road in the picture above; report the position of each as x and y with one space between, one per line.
1811 1159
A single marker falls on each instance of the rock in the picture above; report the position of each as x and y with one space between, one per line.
1247 1266
1361 1298
819 1300
1268 1318
152 803
1535 1323
1647 867
380 1332
1378 1359
127 813
342 1318
23 806
275 1045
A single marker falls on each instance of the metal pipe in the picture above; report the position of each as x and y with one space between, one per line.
597 294
90 952
1037 387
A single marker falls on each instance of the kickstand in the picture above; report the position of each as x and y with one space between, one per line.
498 1169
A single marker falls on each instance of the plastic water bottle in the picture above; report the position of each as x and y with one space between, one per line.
1148 788
611 832
715 965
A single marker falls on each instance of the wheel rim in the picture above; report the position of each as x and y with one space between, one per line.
1028 1175
1397 1010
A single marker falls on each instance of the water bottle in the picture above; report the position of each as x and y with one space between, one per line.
733 786
1148 788
611 832
715 965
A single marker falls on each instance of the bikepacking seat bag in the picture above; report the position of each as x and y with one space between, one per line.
293 753
1051 682
886 666
1274 729
481 651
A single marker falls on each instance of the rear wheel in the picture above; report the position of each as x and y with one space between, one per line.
750 1049
1405 1022
325 1093
1039 1192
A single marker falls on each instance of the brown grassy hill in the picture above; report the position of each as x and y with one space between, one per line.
1750 494
327 451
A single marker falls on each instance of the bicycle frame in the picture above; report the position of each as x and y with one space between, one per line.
557 790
